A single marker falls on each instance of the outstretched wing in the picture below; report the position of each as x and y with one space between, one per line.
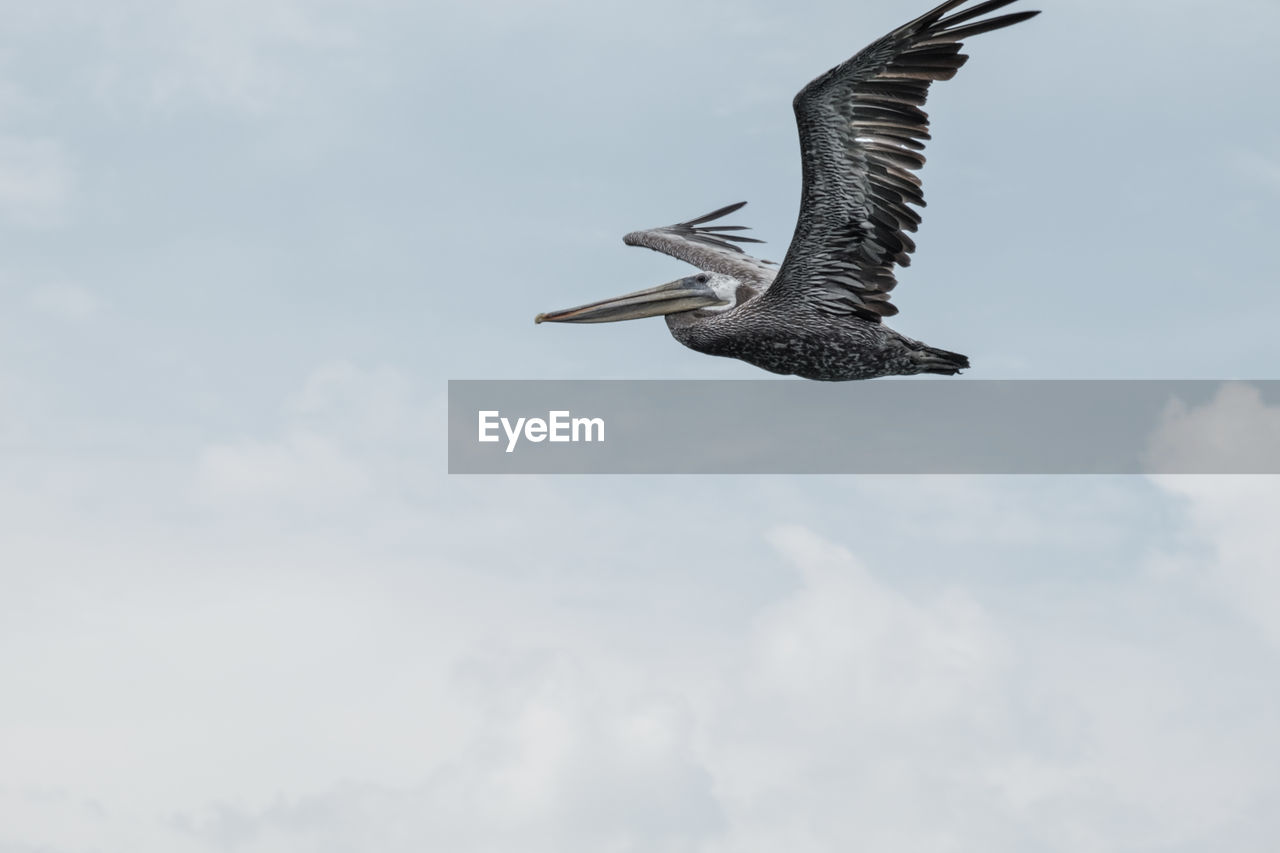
861 131
712 248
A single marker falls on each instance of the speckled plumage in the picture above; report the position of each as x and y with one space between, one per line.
808 343
819 314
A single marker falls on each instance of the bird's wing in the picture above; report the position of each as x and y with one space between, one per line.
708 247
861 130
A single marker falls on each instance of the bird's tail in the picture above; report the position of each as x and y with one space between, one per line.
934 360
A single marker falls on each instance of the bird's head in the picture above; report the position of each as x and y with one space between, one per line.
693 296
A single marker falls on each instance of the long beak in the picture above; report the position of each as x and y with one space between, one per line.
682 295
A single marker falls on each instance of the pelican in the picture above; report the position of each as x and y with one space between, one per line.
820 314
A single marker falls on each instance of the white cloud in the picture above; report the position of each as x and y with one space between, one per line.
852 644
559 763
1231 536
880 720
345 429
1236 432
1233 520
316 692
507 681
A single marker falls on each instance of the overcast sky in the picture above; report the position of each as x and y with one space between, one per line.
244 244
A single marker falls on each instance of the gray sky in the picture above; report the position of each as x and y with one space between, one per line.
244 244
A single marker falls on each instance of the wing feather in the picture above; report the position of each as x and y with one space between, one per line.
862 131
712 248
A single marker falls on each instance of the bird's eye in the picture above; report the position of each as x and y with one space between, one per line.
702 279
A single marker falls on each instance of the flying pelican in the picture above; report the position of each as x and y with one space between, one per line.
819 314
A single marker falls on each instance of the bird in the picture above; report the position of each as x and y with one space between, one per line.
820 314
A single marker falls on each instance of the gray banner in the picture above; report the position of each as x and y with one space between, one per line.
878 427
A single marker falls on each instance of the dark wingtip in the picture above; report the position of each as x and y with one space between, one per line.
980 27
931 17
716 214
973 12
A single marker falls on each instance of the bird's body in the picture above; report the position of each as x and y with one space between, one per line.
808 343
819 314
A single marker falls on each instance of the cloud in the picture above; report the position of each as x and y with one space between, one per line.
387 696
843 686
347 432
1232 544
402 671
868 650
875 718
1236 432
852 714
558 763
53 810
